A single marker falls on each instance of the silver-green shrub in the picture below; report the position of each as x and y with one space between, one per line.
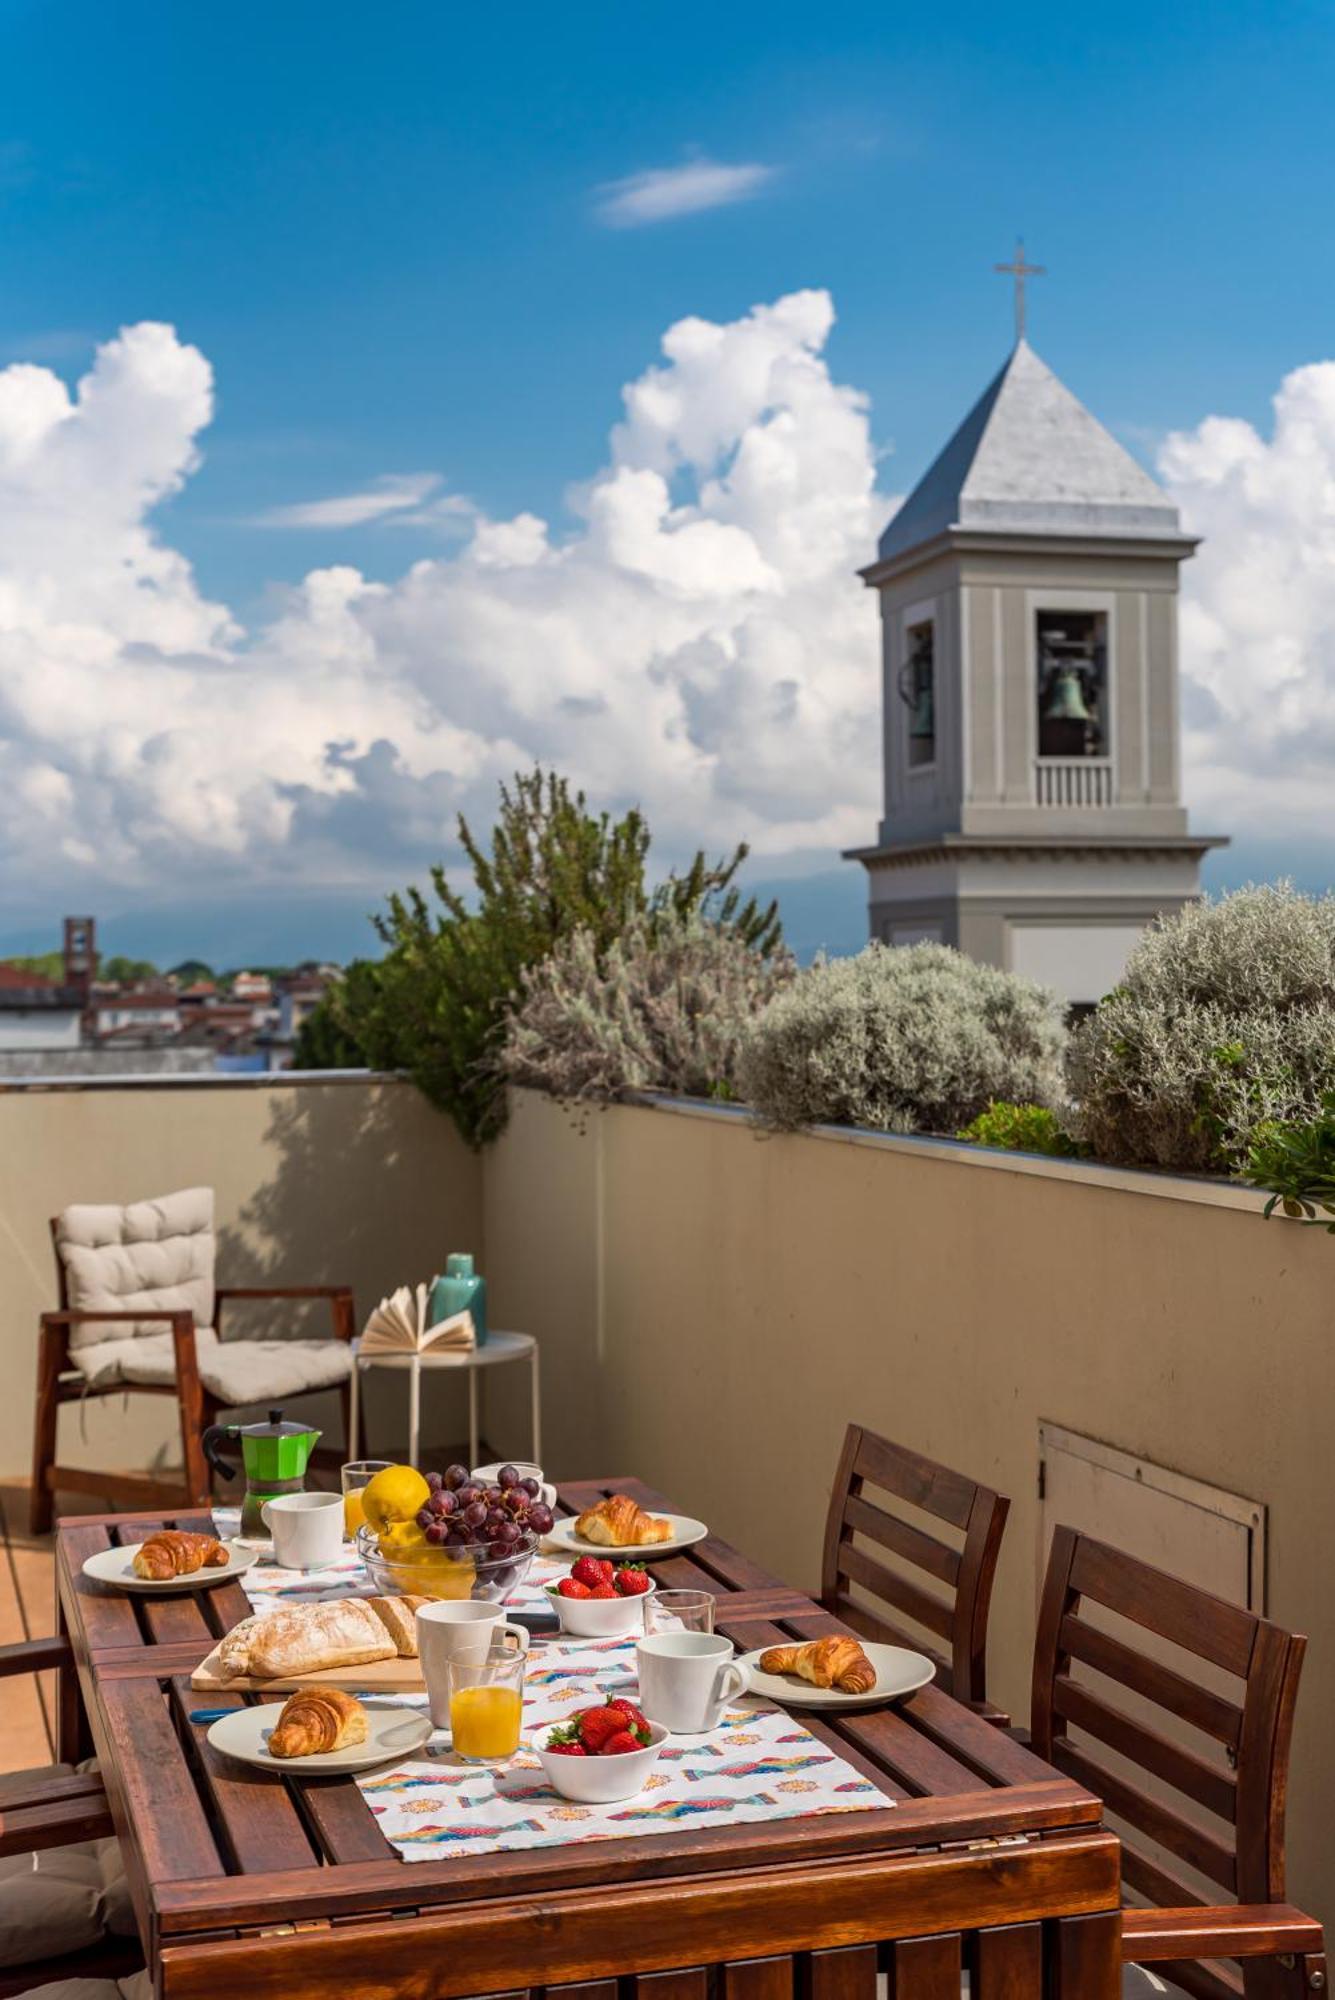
902 1038
666 1007
1225 1019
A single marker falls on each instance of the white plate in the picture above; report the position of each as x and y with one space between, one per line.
391 1733
114 1566
685 1532
898 1672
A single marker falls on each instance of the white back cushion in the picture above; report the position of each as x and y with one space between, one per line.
149 1255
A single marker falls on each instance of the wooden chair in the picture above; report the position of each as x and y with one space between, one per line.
957 1614
52 1807
1229 1825
59 1382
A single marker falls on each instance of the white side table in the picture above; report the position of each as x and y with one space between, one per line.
499 1348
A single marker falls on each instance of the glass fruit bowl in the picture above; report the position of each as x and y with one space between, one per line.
471 1570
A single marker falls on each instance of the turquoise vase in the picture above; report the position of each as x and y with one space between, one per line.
461 1290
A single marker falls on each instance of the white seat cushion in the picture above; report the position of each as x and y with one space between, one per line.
156 1255
236 1372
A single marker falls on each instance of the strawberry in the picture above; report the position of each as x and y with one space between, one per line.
618 1745
570 1586
592 1570
603 1590
596 1725
632 1580
634 1717
567 1750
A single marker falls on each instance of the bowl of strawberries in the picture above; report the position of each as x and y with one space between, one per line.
601 1599
602 1754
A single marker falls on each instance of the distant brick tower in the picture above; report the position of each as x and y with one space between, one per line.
1028 590
80 953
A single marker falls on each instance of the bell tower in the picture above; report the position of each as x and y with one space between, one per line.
1028 593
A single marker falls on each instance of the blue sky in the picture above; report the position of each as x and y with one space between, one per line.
418 243
382 231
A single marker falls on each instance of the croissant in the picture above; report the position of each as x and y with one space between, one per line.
837 1662
621 1523
318 1719
175 1552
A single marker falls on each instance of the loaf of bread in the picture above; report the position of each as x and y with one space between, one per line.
318 1719
316 1638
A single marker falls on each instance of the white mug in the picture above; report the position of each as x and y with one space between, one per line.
486 1476
687 1680
453 1629
307 1528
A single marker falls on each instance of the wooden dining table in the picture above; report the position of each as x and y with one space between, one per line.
982 1857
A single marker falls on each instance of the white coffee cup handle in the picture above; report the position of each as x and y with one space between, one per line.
737 1676
264 1516
519 1634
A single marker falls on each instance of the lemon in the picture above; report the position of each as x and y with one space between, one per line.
394 1496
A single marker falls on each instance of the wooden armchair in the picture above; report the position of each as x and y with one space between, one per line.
189 1362
1217 1812
956 1614
53 1807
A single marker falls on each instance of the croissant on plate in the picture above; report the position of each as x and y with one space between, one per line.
318 1719
621 1523
176 1552
835 1662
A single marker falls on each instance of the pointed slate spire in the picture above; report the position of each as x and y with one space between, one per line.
1029 459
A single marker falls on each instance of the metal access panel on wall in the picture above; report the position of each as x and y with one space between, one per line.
1212 1538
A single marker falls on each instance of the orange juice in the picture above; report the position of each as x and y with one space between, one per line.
354 1514
485 1722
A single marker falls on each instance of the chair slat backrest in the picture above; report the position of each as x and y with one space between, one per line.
1227 1773
951 1592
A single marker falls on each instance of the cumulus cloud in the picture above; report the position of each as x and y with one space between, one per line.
662 192
696 641
1258 612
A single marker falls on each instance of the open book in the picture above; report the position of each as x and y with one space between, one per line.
398 1326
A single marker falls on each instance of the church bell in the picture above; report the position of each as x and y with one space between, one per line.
1066 698
922 722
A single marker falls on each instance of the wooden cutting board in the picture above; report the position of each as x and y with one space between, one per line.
395 1676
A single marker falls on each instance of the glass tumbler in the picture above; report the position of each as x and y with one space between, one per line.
356 1475
679 1611
487 1705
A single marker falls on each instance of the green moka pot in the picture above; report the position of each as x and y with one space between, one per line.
274 1457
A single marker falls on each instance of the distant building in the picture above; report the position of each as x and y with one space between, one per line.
253 986
298 997
37 1013
1028 591
150 1012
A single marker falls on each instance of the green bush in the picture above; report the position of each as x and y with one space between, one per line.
436 1005
1296 1162
903 1038
1020 1128
665 1007
1224 1023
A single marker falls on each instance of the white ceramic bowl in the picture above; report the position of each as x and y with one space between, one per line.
600 1617
601 1781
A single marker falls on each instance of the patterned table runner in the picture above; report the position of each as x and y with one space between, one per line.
267 1585
758 1765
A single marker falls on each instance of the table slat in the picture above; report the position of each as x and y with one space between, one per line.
260 1825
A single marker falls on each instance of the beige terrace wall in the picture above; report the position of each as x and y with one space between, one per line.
350 1180
714 1306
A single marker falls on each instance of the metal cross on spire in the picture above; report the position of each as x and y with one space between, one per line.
1019 270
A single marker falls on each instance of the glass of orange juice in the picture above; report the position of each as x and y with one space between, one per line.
487 1705
356 1476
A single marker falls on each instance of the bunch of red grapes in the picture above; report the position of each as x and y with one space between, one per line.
505 1519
